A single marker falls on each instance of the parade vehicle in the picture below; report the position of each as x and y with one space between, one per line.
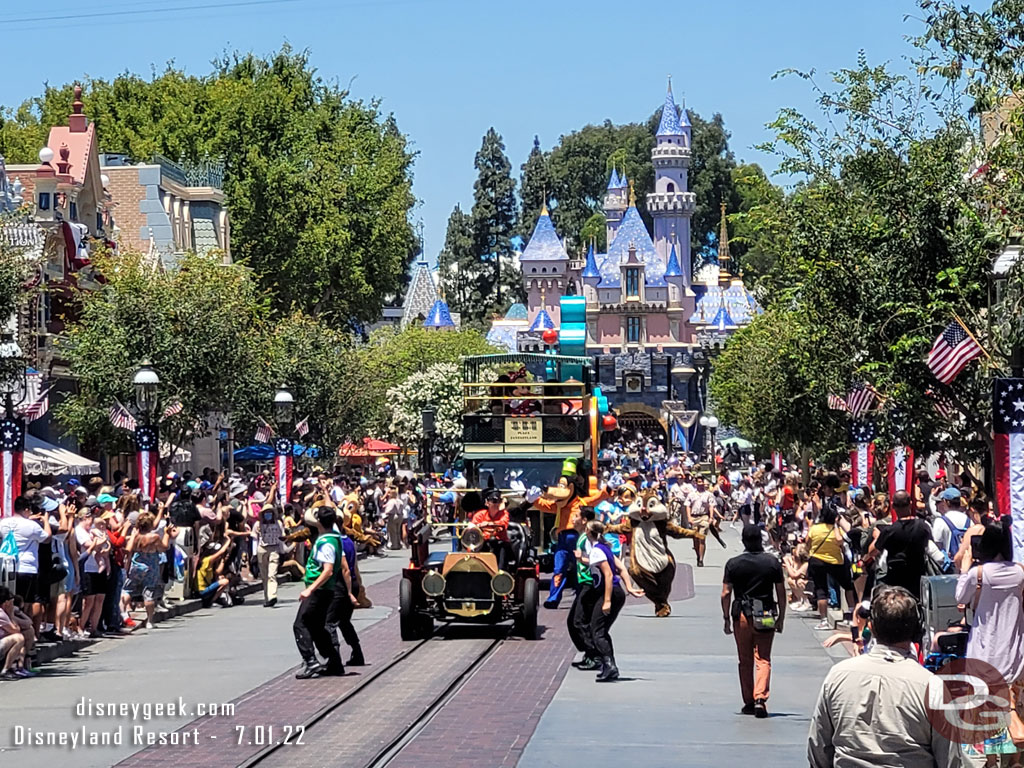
523 416
467 585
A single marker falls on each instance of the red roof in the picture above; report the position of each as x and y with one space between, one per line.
368 446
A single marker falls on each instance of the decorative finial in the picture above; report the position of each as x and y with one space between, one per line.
544 208
76 105
632 194
723 249
670 82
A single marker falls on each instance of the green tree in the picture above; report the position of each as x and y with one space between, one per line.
201 327
389 359
494 221
319 186
595 231
534 186
440 385
457 266
874 245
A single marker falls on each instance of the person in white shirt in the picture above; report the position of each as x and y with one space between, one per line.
269 539
949 513
28 532
871 709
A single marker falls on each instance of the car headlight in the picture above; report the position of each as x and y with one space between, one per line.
433 584
502 583
472 539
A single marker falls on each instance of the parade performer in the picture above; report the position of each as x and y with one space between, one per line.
326 562
578 621
651 563
563 500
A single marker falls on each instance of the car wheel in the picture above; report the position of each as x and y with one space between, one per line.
409 623
527 622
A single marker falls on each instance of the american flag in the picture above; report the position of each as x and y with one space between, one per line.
264 432
941 404
862 396
836 403
121 417
952 351
303 427
173 408
37 407
1008 455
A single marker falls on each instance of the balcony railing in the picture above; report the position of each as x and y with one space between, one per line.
204 173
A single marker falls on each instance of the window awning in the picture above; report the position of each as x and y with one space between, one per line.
43 458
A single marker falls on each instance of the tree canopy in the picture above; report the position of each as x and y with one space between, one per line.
318 185
882 243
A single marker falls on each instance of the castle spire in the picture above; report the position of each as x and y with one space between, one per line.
724 278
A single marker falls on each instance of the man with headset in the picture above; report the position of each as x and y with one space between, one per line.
871 708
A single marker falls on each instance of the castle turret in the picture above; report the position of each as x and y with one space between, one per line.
614 203
544 263
671 204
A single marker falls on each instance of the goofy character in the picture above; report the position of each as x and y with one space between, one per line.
651 563
564 502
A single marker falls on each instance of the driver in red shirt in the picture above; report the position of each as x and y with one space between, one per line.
493 523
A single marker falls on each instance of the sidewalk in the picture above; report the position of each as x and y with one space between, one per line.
212 656
679 701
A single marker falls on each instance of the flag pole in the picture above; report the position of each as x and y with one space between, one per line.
974 339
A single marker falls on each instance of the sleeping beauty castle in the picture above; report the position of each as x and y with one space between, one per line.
637 309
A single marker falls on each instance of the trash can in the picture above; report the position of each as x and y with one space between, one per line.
938 598
8 567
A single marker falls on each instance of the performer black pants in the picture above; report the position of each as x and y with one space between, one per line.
579 619
601 622
339 617
310 627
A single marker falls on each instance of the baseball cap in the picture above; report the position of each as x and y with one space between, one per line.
106 498
49 504
949 494
492 495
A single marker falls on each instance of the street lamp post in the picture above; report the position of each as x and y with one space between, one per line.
147 435
14 387
284 447
429 417
710 424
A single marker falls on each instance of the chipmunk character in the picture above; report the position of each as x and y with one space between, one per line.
651 564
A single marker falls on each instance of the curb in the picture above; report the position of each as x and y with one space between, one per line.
47 652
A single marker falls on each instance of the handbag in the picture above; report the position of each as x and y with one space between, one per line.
58 571
761 619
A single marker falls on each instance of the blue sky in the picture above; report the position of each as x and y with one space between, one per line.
449 69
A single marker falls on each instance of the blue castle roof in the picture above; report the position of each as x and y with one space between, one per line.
670 125
504 337
439 316
516 312
590 268
673 269
614 182
723 319
739 305
544 244
542 321
632 231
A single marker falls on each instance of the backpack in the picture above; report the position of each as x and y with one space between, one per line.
956 535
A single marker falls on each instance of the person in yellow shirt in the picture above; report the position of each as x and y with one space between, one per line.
825 547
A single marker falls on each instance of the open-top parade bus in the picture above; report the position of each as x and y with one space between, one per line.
523 416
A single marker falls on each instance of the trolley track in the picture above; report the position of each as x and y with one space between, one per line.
406 693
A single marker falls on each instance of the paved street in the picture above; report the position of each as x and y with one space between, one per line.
677 703
211 656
